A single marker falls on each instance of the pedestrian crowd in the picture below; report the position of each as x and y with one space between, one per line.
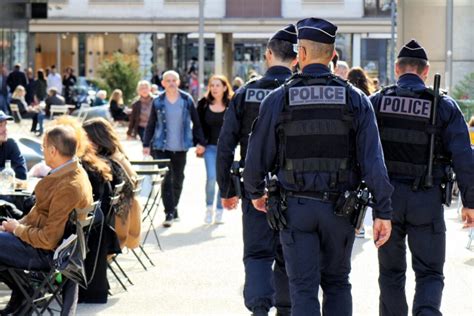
312 133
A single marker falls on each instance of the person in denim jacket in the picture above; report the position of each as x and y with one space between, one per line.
169 134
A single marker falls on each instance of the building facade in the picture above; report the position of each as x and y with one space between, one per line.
163 33
449 39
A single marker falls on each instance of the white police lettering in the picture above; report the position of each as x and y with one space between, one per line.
317 95
256 95
406 106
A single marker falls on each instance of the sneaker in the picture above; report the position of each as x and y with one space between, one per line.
360 233
218 219
168 220
208 217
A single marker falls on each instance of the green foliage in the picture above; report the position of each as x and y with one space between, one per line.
100 84
463 92
120 72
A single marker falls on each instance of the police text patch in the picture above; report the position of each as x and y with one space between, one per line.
256 95
406 106
317 95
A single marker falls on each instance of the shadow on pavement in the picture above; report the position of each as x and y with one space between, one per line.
358 246
470 262
196 236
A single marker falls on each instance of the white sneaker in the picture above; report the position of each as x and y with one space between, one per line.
208 218
218 219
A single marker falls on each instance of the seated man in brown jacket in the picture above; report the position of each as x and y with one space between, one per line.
30 242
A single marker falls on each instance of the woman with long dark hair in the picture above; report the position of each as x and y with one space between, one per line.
211 109
41 86
127 212
359 78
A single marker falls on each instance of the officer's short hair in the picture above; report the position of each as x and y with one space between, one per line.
282 50
318 50
63 138
417 63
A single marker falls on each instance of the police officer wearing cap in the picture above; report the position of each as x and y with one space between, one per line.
264 286
404 114
319 135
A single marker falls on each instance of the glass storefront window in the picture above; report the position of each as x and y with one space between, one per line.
13 47
375 8
374 58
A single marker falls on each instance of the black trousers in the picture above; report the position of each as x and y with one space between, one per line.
417 218
173 182
266 283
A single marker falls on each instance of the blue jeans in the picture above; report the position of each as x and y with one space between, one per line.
3 104
210 156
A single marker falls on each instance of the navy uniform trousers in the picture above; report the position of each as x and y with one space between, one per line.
418 217
266 285
317 246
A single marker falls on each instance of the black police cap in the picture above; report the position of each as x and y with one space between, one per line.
413 50
286 34
317 30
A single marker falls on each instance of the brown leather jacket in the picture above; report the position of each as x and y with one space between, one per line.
56 197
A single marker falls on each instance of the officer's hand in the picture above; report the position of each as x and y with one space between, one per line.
146 151
382 230
467 217
260 203
230 203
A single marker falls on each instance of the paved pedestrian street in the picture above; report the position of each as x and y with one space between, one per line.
200 270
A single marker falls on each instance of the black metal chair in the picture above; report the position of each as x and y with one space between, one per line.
42 288
114 200
156 170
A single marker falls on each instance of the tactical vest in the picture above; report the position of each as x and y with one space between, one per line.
255 92
315 130
404 120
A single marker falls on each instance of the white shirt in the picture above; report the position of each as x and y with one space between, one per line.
54 80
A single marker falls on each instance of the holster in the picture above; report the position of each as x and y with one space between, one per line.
353 205
236 175
447 186
275 205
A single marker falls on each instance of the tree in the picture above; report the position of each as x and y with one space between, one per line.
120 72
464 95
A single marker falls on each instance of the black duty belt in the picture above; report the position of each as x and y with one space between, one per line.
318 196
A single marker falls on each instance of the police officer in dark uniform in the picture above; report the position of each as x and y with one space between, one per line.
264 287
319 136
404 116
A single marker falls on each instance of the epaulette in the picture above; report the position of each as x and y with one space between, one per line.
388 89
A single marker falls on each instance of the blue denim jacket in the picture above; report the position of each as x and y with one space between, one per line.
156 129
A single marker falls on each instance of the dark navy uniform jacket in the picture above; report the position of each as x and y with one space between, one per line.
454 134
230 132
263 147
